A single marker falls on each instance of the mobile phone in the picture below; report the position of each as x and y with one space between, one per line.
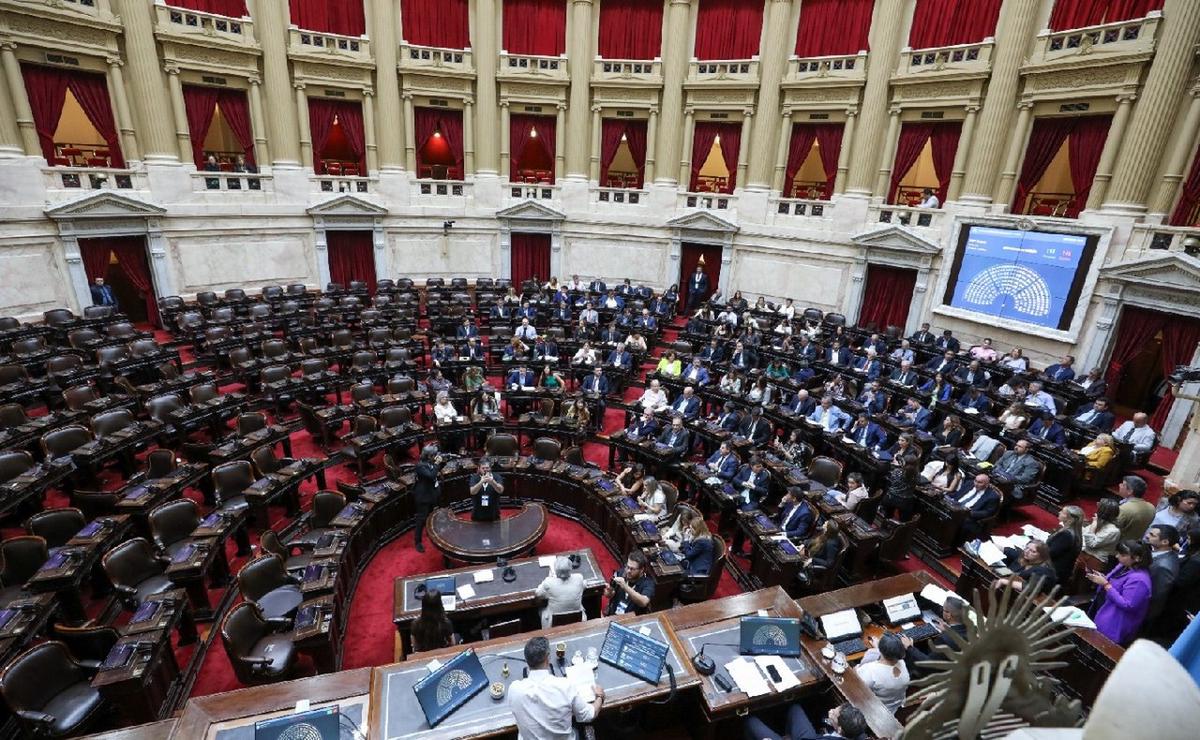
773 672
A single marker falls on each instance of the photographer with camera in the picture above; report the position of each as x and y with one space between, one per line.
631 588
486 488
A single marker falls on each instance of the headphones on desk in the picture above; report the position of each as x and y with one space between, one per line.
509 575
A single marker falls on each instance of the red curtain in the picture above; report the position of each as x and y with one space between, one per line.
322 112
1189 197
1069 14
131 258
630 29
330 16
519 134
689 257
908 149
829 27
886 296
1178 347
1084 147
1123 10
803 136
1137 327
91 91
1045 139
427 121
530 257
47 91
231 8
943 144
351 257
829 141
728 29
611 131
236 112
440 23
706 132
535 27
200 103
635 138
949 22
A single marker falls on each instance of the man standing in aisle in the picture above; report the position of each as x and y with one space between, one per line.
697 287
426 490
102 294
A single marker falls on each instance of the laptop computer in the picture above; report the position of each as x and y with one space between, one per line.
769 636
901 609
444 584
450 686
634 653
311 725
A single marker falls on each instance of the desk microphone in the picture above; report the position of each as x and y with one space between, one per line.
705 665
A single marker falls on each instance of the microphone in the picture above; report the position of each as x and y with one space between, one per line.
705 665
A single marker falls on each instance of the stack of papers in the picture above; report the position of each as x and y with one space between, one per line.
747 677
990 553
1013 540
546 561
936 594
1035 533
787 679
1071 616
583 676
466 592
484 576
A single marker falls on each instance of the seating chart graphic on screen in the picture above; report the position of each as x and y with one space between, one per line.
769 636
1029 276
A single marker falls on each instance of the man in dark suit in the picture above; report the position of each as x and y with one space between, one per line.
527 311
838 355
751 485
868 365
644 427
697 288
873 399
1062 371
947 342
801 404
723 463
923 336
1047 428
612 335
647 321
619 358
973 398
562 313
914 416
981 502
1017 466
954 613
467 330
944 364
712 352
660 307
742 359
905 375
596 385
1096 414
102 294
521 377
687 404
974 375
796 516
676 437
486 489
845 721
597 286
442 352
755 428
807 350
866 433
1093 384
473 350
729 419
426 490
545 349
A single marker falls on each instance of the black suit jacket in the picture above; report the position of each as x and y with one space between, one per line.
425 491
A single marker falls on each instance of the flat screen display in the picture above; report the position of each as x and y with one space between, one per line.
1033 277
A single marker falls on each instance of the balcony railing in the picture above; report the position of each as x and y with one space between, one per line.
742 71
1122 37
351 48
627 70
958 58
342 184
92 178
415 58
624 196
233 182
833 68
803 207
443 188
531 66
707 201
532 191
1147 240
172 20
906 216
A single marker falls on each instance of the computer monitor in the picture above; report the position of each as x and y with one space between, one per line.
901 609
313 724
634 653
450 686
769 636
444 584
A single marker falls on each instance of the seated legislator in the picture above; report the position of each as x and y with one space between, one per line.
801 404
620 358
856 492
947 342
755 428
883 670
974 375
1093 384
486 488
1096 415
821 551
948 438
654 398
866 433
938 388
630 479
830 417
545 349
696 373
845 722
905 375
596 386
944 364
677 437
545 705
981 502
796 515
643 427
1037 398
873 398
1047 428
1099 452
903 353
631 588
728 419
974 401
1101 535
1017 466
652 503
922 336
432 629
1015 417
913 416
585 356
551 380
900 492
1030 566
575 413
562 591
793 450
697 546
521 377
687 404
1137 433
944 475
984 352
723 463
669 365
1062 371
868 365
954 614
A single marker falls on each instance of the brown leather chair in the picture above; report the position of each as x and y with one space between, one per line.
60 442
265 582
94 503
362 392
13 463
12 415
269 542
897 540
203 393
230 481
135 571
56 526
574 456
160 463
12 374
547 448
110 422
50 692
502 444
701 588
401 385
172 524
58 316
28 346
63 366
20 558
159 408
122 330
77 397
826 471
558 619
89 645
325 507
257 653
251 421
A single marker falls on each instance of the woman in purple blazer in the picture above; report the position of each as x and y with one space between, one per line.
1123 596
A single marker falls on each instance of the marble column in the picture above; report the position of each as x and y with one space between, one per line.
1016 148
282 126
576 139
389 126
306 152
673 147
262 155
116 87
486 54
885 42
150 96
781 153
651 142
20 99
843 164
369 138
685 164
560 157
1179 162
744 146
595 156
965 139
10 133
771 67
183 136
505 137
1108 155
1164 90
889 154
410 144
1014 29
468 137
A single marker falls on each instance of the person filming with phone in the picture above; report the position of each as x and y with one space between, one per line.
486 489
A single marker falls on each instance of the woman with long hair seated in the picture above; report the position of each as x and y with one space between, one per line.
576 412
550 379
432 630
1015 417
1101 535
697 546
944 476
1123 594
631 479
821 551
652 502
584 356
1030 566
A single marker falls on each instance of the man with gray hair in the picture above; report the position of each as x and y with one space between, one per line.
545 706
562 591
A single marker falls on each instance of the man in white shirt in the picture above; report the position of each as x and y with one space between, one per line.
929 200
1136 433
1039 398
525 332
545 706
654 398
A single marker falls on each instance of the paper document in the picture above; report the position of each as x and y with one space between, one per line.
746 676
936 594
990 553
449 602
546 561
1035 533
788 679
1072 616
484 576
433 665
841 624
583 676
466 591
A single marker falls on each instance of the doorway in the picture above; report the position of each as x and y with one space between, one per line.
707 256
530 258
122 262
887 298
351 257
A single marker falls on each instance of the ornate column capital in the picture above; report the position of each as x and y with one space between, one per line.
112 61
1025 105
468 101
368 92
504 104
299 85
689 111
895 110
972 109
851 111
748 112
254 80
785 113
171 69
8 45
1126 97
560 105
654 110
597 108
406 95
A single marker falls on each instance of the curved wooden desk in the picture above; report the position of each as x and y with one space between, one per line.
461 539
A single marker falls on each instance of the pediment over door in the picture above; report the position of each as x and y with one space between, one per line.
530 210
347 206
702 221
104 204
1170 282
896 245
